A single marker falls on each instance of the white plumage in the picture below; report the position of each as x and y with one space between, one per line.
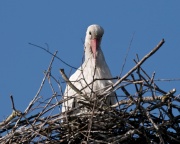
94 67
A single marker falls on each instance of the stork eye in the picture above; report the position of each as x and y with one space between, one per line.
89 33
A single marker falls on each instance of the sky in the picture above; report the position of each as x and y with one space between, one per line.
61 25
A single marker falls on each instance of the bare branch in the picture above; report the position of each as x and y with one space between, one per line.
138 64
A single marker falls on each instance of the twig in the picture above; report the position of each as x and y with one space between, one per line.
52 55
68 82
43 81
12 115
138 64
126 54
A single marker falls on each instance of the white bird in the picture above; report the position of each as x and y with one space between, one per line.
94 67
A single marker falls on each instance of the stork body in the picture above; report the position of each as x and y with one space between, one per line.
94 67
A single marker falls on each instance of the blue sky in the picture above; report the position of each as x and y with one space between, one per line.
62 25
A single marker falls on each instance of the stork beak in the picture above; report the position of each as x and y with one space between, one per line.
94 46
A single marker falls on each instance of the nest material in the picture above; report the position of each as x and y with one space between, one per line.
139 116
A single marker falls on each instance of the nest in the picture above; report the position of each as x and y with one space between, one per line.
139 116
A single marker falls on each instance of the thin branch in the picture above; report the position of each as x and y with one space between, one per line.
126 55
138 64
68 82
43 81
53 55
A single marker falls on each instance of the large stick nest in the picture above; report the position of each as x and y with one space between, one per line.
144 113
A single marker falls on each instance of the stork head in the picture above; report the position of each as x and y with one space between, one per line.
93 38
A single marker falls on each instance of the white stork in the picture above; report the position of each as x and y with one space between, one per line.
94 67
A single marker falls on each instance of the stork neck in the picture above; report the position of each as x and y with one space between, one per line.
89 59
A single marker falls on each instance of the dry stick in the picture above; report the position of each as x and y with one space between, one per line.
59 85
53 90
146 99
60 89
128 94
71 85
152 83
126 55
156 87
152 78
13 114
51 85
90 120
68 82
139 91
43 81
136 66
173 79
12 101
134 81
87 85
146 82
154 125
53 55
44 108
